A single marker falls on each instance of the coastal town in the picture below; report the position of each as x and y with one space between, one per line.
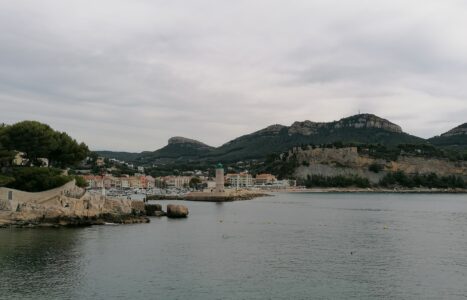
175 184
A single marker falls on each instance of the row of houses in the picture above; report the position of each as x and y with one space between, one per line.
138 181
123 182
245 179
147 182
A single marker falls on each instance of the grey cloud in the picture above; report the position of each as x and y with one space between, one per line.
214 70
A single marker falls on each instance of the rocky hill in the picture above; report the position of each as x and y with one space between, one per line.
358 129
177 149
455 138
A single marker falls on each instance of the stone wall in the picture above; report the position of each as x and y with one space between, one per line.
65 201
50 197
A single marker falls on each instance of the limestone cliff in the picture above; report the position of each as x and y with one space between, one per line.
348 161
459 130
362 121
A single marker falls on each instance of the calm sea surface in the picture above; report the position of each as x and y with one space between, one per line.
291 246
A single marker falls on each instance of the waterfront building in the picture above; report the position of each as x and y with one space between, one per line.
107 182
150 182
264 179
239 180
123 182
177 181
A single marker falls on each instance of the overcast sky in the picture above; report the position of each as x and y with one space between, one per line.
129 74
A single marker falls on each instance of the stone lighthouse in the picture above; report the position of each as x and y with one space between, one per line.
219 178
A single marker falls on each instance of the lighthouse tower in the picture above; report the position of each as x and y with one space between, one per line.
219 178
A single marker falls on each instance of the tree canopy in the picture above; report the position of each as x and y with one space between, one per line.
38 140
6 156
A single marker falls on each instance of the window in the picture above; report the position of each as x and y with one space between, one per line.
10 195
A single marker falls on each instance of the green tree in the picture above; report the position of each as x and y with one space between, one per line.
194 182
6 156
68 151
37 179
39 140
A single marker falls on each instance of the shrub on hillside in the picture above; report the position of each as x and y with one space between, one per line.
80 181
376 168
31 179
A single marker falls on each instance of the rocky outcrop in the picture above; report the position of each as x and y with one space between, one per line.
183 140
273 129
362 121
348 161
305 128
367 121
177 211
154 210
459 130
67 206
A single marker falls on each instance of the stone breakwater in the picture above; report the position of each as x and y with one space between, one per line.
211 197
173 211
68 205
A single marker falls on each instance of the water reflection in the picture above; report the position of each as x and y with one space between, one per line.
38 263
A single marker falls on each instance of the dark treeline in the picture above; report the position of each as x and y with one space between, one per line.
37 140
422 180
335 181
390 180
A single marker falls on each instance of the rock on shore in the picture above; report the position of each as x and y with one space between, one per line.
177 211
154 210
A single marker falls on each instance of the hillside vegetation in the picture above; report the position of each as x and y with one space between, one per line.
32 144
358 129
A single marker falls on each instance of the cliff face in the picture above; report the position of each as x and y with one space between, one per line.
348 161
362 128
455 138
458 131
362 121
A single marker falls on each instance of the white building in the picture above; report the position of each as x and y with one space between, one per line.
177 181
240 180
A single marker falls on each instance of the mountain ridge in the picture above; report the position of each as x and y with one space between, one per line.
454 139
358 129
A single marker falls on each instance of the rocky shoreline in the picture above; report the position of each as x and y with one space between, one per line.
375 190
78 221
135 217
71 206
